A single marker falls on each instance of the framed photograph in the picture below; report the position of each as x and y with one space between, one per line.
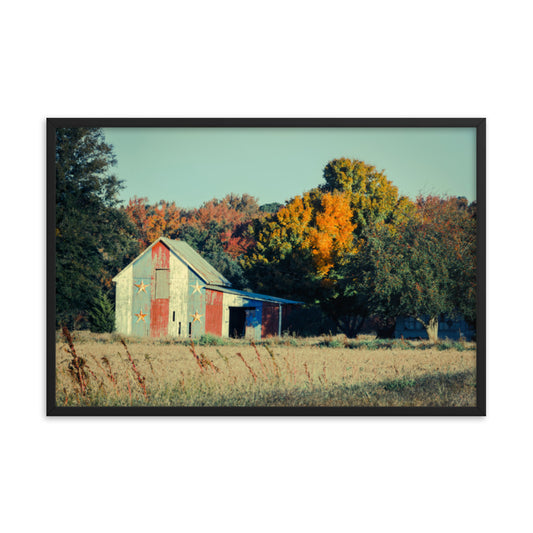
266 267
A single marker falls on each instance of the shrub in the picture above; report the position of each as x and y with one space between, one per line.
399 384
102 314
208 339
331 343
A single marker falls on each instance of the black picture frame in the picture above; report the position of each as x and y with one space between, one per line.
478 123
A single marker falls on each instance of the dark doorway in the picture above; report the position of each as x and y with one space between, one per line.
237 322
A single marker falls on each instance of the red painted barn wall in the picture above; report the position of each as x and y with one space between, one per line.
270 319
213 312
286 312
159 306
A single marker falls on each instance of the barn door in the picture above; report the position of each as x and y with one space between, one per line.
159 318
237 321
161 283
250 323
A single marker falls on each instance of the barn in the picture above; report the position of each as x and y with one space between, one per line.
171 290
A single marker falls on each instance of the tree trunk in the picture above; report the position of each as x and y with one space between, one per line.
432 328
349 325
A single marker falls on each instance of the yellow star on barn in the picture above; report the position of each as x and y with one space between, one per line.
197 288
141 286
196 316
140 316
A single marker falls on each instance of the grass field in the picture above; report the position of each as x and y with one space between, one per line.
99 370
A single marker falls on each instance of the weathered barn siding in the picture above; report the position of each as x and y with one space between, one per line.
123 305
178 303
196 307
253 319
227 299
270 319
159 302
253 309
213 312
141 300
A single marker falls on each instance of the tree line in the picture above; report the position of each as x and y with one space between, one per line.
350 248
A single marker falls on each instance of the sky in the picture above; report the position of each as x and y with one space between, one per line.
193 165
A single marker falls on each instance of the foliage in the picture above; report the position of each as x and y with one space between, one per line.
206 241
332 343
209 339
309 320
399 384
270 208
102 314
94 239
373 198
297 247
424 267
305 250
153 221
217 229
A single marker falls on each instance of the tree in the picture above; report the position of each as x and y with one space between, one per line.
102 314
298 249
301 250
423 268
94 239
206 241
272 207
231 216
373 197
154 221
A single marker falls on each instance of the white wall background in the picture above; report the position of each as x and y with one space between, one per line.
276 58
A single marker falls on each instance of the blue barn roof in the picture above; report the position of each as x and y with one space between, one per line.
257 296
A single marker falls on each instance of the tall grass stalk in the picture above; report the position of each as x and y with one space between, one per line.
260 360
253 374
140 378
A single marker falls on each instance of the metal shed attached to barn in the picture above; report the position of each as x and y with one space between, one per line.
171 290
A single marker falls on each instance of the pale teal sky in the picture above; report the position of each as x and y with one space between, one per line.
193 165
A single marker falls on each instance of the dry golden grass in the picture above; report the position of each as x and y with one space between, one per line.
266 374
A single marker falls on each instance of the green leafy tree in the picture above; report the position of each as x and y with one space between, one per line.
423 268
94 239
272 207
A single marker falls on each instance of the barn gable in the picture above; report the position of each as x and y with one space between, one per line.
190 257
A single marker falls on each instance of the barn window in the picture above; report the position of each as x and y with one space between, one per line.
173 316
161 283
179 328
190 329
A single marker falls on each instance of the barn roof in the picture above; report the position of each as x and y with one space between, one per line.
197 263
191 258
256 296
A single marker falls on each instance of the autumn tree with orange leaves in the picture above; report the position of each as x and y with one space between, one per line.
153 221
300 251
296 248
